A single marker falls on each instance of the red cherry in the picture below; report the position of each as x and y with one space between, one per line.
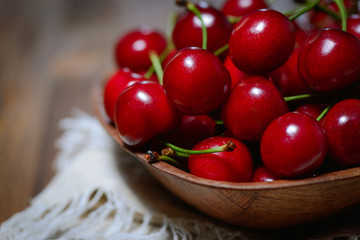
342 127
142 112
237 76
301 36
330 60
261 41
353 25
235 166
250 108
168 58
132 50
192 130
287 78
196 81
240 8
188 29
313 110
117 83
322 20
293 145
262 174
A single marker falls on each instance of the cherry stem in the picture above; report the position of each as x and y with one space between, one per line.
233 19
297 97
192 8
221 50
151 70
219 122
343 13
324 112
328 11
303 9
155 60
228 147
153 157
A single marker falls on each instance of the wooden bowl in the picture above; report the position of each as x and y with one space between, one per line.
275 204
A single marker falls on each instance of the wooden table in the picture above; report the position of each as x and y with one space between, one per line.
51 54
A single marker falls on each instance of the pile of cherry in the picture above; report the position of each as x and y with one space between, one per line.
243 93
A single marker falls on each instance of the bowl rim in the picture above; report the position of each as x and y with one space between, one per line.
99 110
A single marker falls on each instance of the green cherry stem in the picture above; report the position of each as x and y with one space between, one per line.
303 9
221 50
219 122
324 112
343 13
192 8
297 97
156 62
170 46
229 146
196 11
233 19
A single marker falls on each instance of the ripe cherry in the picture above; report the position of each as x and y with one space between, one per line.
323 20
192 130
132 50
250 108
293 145
168 58
330 60
196 81
311 109
342 127
353 25
262 174
188 29
237 76
261 41
235 166
287 78
142 112
239 8
117 83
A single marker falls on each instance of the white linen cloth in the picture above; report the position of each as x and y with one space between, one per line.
101 192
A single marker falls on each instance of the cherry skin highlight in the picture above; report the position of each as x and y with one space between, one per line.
188 29
251 107
330 61
262 174
132 50
353 25
239 8
142 112
261 41
235 166
293 145
117 83
196 81
342 127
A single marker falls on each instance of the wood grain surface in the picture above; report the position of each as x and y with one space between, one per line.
51 53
